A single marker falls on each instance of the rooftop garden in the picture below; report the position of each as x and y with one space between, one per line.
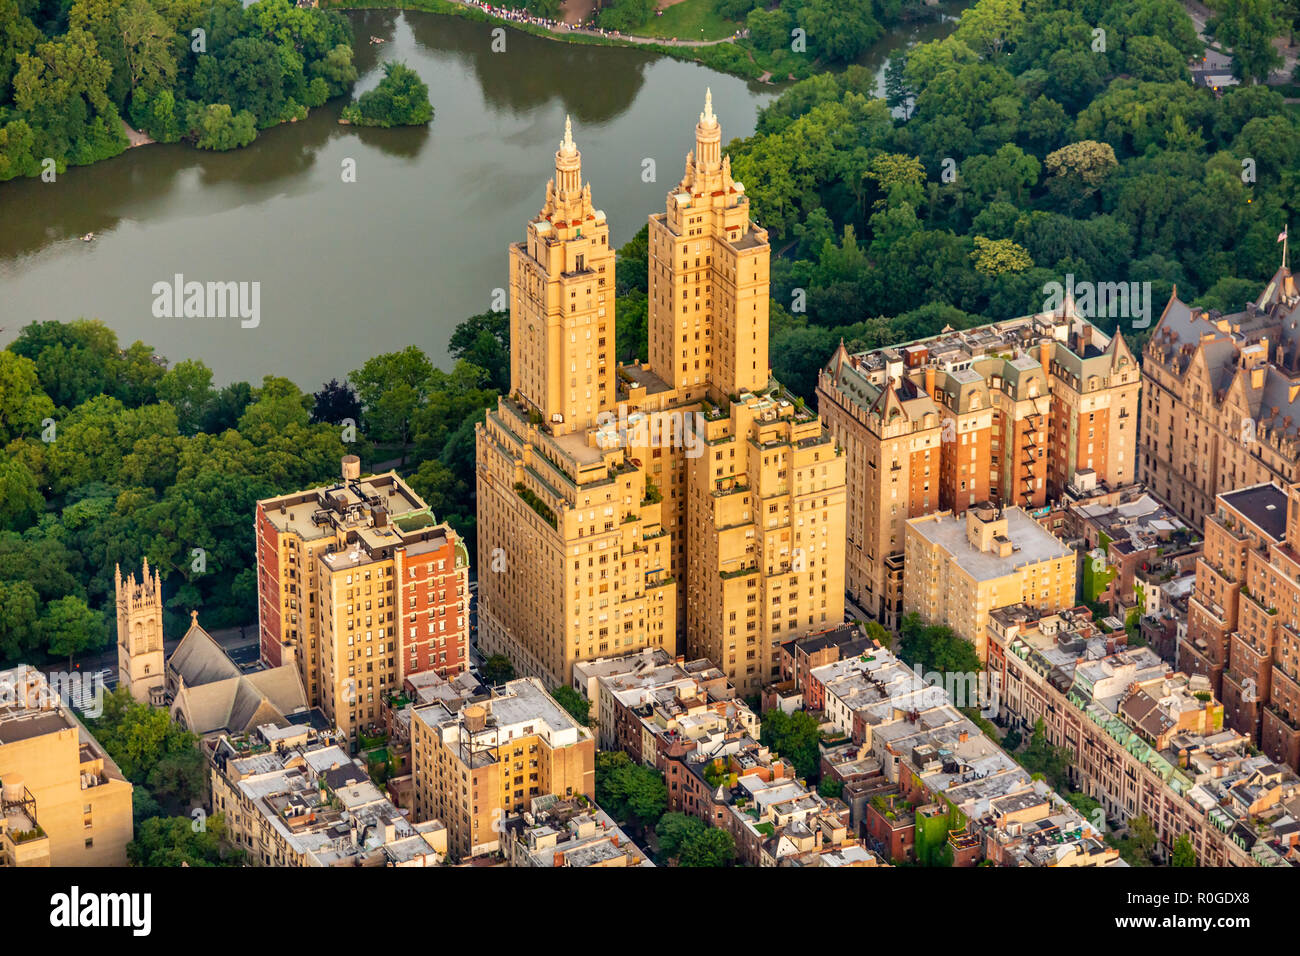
25 836
537 504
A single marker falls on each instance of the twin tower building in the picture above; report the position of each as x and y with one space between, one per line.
688 503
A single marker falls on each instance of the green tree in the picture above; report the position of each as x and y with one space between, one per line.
187 386
497 669
898 94
990 25
21 502
483 340
147 42
673 831
795 737
1143 835
61 87
392 387
1155 59
935 648
1184 853
994 257
216 127
23 404
19 629
151 749
1248 28
711 847
579 707
630 792
839 30
70 627
1042 757
625 15
400 99
177 841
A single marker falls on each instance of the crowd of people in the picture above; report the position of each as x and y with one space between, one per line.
523 16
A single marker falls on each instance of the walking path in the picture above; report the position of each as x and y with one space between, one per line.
1200 13
564 28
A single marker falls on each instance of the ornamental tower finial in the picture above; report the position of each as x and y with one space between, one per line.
708 138
568 166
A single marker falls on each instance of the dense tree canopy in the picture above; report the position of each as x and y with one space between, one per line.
794 737
1043 139
212 72
630 792
400 99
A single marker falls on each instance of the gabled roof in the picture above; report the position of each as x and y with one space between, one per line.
199 659
215 695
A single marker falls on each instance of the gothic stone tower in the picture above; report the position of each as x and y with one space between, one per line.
140 635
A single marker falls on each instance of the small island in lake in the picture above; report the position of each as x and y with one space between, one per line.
400 99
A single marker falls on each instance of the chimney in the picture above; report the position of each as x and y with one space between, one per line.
929 380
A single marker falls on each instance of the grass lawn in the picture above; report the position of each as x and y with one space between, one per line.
690 20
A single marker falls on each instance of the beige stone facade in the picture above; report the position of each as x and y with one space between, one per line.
1221 404
59 778
293 798
140 665
959 569
701 510
1005 413
475 764
360 586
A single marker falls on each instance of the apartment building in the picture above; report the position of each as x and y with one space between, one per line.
1144 739
292 797
648 703
693 505
1005 413
64 799
775 819
359 586
959 569
477 762
1221 405
799 657
1243 618
927 784
573 832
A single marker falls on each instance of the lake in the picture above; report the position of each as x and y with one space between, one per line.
347 270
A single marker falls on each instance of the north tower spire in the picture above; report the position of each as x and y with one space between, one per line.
561 303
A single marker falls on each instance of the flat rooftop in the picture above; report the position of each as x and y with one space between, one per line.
1262 505
1033 544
